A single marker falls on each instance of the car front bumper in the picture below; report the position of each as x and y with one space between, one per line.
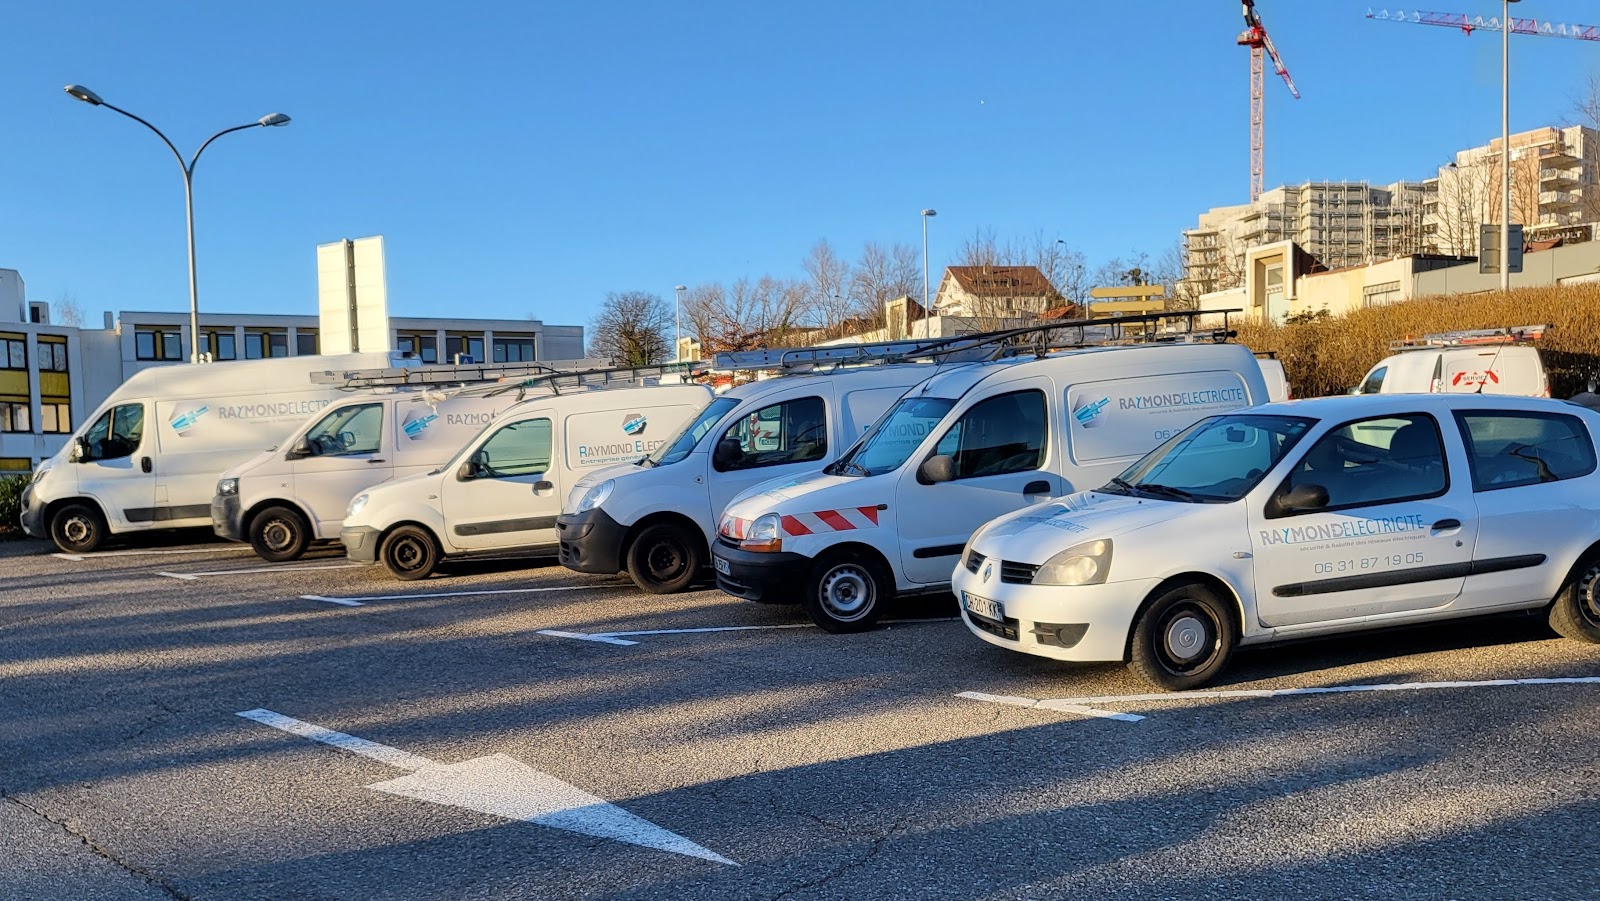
590 542
1064 622
765 578
360 543
32 518
227 517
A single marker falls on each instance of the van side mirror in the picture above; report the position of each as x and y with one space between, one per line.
727 455
300 450
936 469
81 452
1303 497
468 471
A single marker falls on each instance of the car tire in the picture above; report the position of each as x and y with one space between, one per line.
1184 638
410 553
845 592
279 534
78 528
664 559
1576 611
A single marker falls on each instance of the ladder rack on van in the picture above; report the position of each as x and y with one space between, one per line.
592 378
794 358
449 374
1090 333
1521 334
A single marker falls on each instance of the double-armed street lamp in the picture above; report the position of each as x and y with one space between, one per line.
80 92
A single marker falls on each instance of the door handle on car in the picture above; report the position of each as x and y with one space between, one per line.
542 485
377 460
1036 487
1443 524
145 464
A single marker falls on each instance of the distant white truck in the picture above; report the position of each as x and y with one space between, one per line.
1481 361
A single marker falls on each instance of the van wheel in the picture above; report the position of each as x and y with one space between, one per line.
1576 611
409 553
279 534
78 528
845 592
1183 639
664 559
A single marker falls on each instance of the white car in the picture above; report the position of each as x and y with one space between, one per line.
1299 519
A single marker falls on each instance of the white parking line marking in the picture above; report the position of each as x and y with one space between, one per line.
359 599
620 638
1062 706
498 785
258 569
343 602
95 555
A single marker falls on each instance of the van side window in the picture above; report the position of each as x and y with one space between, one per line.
519 449
1374 381
1375 461
1509 449
116 434
794 431
356 429
999 435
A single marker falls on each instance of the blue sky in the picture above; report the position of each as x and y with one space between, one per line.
526 158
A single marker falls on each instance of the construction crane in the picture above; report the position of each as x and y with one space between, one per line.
1468 24
1255 37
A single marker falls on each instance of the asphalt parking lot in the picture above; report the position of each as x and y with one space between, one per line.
186 721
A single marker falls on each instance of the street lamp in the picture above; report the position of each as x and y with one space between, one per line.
79 92
926 312
677 323
1505 144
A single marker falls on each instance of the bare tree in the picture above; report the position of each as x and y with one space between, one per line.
982 249
883 274
1066 269
828 294
66 311
1463 194
1586 104
747 315
631 329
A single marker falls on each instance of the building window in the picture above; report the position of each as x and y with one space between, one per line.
157 344
13 352
15 464
55 417
471 345
14 417
513 350
424 346
224 343
305 343
258 345
52 353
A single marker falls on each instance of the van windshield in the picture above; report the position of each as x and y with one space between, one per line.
893 438
682 444
1214 461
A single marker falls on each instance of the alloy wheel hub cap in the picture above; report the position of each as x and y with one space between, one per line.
1186 637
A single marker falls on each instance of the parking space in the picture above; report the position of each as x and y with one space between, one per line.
510 727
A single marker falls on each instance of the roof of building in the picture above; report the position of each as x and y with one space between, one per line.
1001 281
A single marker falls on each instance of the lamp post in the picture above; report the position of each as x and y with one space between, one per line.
1505 144
677 323
926 312
79 92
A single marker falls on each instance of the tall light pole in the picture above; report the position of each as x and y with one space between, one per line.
926 311
80 92
677 323
1505 144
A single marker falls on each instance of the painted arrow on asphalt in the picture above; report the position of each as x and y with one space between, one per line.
500 786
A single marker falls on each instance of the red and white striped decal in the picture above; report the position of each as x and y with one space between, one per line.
845 520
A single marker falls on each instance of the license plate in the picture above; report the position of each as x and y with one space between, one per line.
984 607
721 565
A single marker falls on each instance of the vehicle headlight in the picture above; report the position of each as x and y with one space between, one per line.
1081 564
39 474
595 496
356 504
967 550
765 535
227 487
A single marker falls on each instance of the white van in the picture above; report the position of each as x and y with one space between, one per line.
1300 519
502 490
655 519
1488 361
962 448
148 457
283 499
1278 387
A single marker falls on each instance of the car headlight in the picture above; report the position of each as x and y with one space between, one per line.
595 496
765 535
356 504
227 487
1081 564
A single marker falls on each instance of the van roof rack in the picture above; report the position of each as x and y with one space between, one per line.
1519 334
497 377
794 358
587 379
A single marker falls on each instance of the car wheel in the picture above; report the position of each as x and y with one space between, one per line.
845 592
279 534
410 553
1576 611
78 528
664 559
1184 638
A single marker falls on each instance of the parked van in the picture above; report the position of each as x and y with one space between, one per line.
893 513
149 456
1277 379
1487 361
501 491
655 519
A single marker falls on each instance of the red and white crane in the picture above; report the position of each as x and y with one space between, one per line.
1468 24
1255 37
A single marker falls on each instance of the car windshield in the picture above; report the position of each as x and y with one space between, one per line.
1214 461
682 444
893 437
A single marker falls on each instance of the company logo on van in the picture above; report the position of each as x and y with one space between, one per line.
183 422
1087 413
416 423
634 423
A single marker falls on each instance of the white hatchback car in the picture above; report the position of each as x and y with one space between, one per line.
1297 519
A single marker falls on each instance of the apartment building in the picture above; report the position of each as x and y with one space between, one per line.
1554 173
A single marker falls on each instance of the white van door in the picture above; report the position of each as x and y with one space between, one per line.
347 450
507 493
784 438
116 469
1396 534
1001 450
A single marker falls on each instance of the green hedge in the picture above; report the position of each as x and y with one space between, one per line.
11 505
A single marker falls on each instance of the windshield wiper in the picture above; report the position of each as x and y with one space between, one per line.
843 465
646 461
1167 491
1125 486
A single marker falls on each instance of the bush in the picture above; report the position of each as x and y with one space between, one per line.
11 505
1329 354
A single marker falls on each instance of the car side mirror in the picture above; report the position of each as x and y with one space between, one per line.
936 469
468 471
727 454
1303 497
